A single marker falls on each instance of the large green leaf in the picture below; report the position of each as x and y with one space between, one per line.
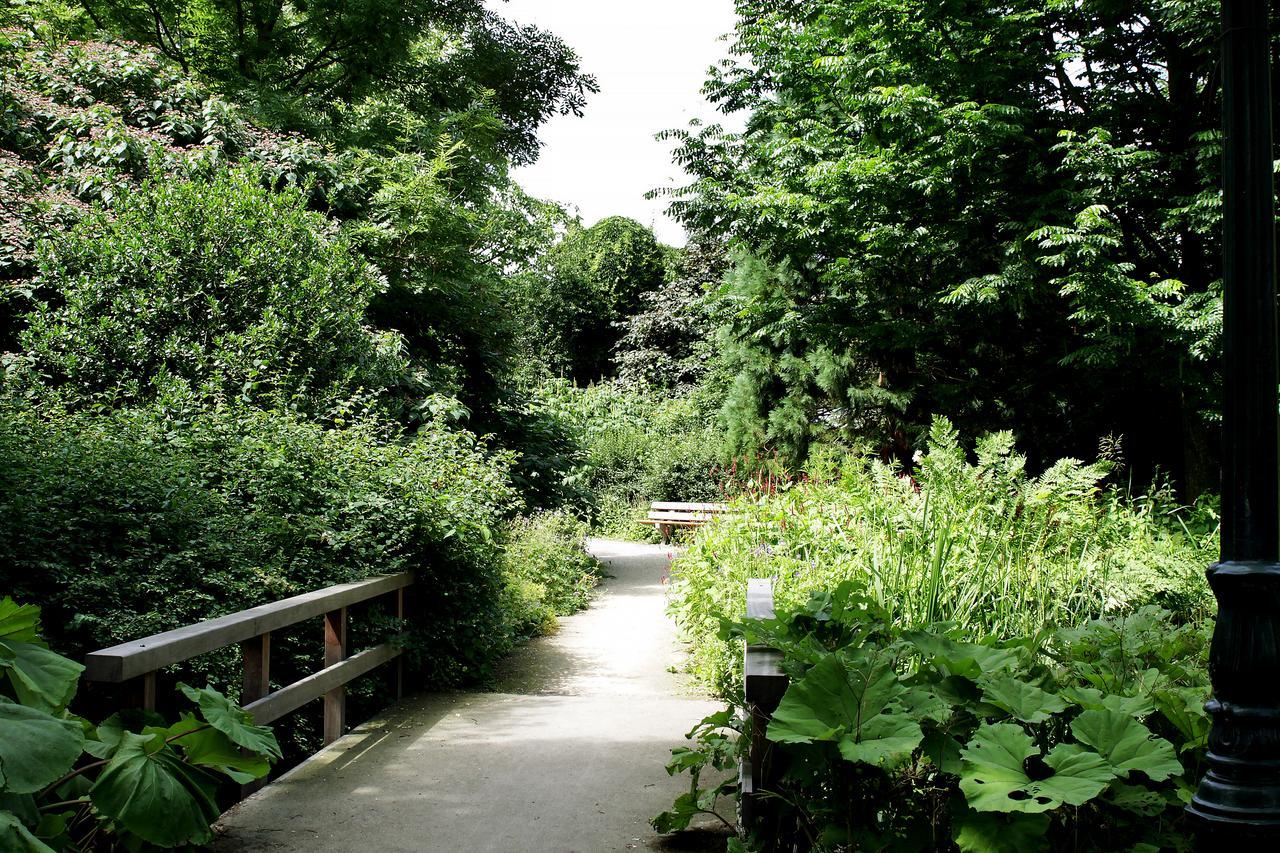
1021 700
19 622
989 832
23 806
205 746
41 678
968 660
848 703
105 739
233 721
1092 699
151 793
1127 744
885 739
36 749
16 838
1137 799
1184 709
995 776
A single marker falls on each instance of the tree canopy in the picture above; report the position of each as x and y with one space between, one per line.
1008 214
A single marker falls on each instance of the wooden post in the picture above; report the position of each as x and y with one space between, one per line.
400 659
257 669
256 683
335 652
764 684
140 692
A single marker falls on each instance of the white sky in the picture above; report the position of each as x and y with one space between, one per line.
650 59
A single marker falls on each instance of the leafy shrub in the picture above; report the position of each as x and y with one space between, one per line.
982 545
83 120
547 571
222 286
1082 738
669 342
135 779
586 284
637 446
129 522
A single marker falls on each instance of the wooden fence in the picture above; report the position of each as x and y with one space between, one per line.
134 665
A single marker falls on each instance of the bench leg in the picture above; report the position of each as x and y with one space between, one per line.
666 534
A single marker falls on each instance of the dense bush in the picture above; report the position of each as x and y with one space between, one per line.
637 445
981 544
222 286
128 522
1088 738
547 571
585 285
668 342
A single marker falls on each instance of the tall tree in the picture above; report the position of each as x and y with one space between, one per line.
585 286
1006 213
434 57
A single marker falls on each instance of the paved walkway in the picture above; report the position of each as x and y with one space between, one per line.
567 756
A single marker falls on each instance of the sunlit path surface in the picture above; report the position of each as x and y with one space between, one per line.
567 756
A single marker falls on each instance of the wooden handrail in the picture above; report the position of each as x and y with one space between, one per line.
136 662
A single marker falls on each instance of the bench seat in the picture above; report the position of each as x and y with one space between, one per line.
668 515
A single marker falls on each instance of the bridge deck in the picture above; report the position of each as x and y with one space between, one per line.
566 757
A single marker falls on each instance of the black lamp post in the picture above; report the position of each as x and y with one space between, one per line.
1239 797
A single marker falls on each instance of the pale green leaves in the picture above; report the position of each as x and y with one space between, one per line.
1126 744
1004 771
996 773
848 702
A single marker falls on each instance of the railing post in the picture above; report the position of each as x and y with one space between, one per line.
140 692
764 683
335 652
400 659
257 668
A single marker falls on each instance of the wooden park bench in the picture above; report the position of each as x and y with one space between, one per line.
668 515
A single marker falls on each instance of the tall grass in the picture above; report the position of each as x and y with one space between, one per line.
981 544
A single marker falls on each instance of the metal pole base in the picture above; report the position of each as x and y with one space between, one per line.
1240 795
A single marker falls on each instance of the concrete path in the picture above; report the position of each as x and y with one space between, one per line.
568 755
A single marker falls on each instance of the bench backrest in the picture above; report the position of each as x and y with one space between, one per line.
678 507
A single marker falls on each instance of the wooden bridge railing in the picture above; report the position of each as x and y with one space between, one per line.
134 664
764 682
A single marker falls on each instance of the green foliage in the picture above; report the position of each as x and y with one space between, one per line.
218 510
634 446
82 120
450 63
547 571
137 301
584 286
667 343
925 740
68 784
981 544
995 212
